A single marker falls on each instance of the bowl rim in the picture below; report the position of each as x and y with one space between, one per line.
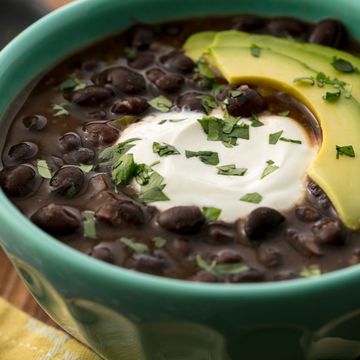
17 223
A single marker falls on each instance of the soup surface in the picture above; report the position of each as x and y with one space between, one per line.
140 155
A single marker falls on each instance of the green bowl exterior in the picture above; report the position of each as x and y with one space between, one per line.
124 315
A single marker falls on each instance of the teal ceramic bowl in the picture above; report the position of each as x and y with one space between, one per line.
124 315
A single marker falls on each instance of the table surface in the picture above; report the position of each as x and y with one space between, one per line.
11 287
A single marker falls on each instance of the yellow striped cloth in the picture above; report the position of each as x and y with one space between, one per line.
24 338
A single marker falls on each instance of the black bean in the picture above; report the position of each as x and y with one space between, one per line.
270 257
142 38
181 246
54 162
67 181
154 74
35 122
100 133
307 213
248 23
221 232
248 276
355 257
314 189
130 106
142 61
329 231
181 219
56 219
286 27
304 243
23 151
204 276
91 95
323 201
247 103
285 275
98 115
103 252
89 65
171 29
178 62
69 141
170 83
18 181
121 212
227 256
191 101
328 32
261 221
148 263
123 79
79 156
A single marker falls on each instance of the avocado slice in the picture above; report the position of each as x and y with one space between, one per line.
339 120
197 44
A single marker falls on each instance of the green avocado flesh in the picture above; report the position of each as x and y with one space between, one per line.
280 62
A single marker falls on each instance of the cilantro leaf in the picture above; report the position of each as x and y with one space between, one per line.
153 194
254 198
284 113
270 168
310 80
72 83
60 110
255 50
89 224
347 150
274 138
332 96
124 169
163 149
161 103
207 157
113 153
211 213
291 140
231 170
43 169
343 65
310 272
159 241
208 102
255 122
86 168
134 246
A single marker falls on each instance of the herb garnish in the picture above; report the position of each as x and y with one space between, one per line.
161 103
254 198
159 241
284 113
235 93
130 53
86 168
124 169
163 149
89 224
343 65
207 157
43 169
111 154
347 150
305 79
152 195
255 50
231 170
123 121
220 270
274 138
291 140
72 83
310 272
151 184
332 96
208 102
203 68
270 168
60 110
211 213
134 246
170 120
255 122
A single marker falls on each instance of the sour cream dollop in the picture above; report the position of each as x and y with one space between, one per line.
191 182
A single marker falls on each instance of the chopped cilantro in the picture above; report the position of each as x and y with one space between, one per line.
255 50
235 93
134 246
86 168
274 138
163 149
342 65
310 272
255 122
347 150
284 113
123 121
151 185
203 68
291 140
130 53
270 168
72 83
113 153
231 170
332 96
305 79
71 191
152 195
254 198
60 110
208 102
124 169
211 213
203 264
89 224
161 103
241 131
207 157
159 241
43 169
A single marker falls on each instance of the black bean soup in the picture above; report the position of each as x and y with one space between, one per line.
52 171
